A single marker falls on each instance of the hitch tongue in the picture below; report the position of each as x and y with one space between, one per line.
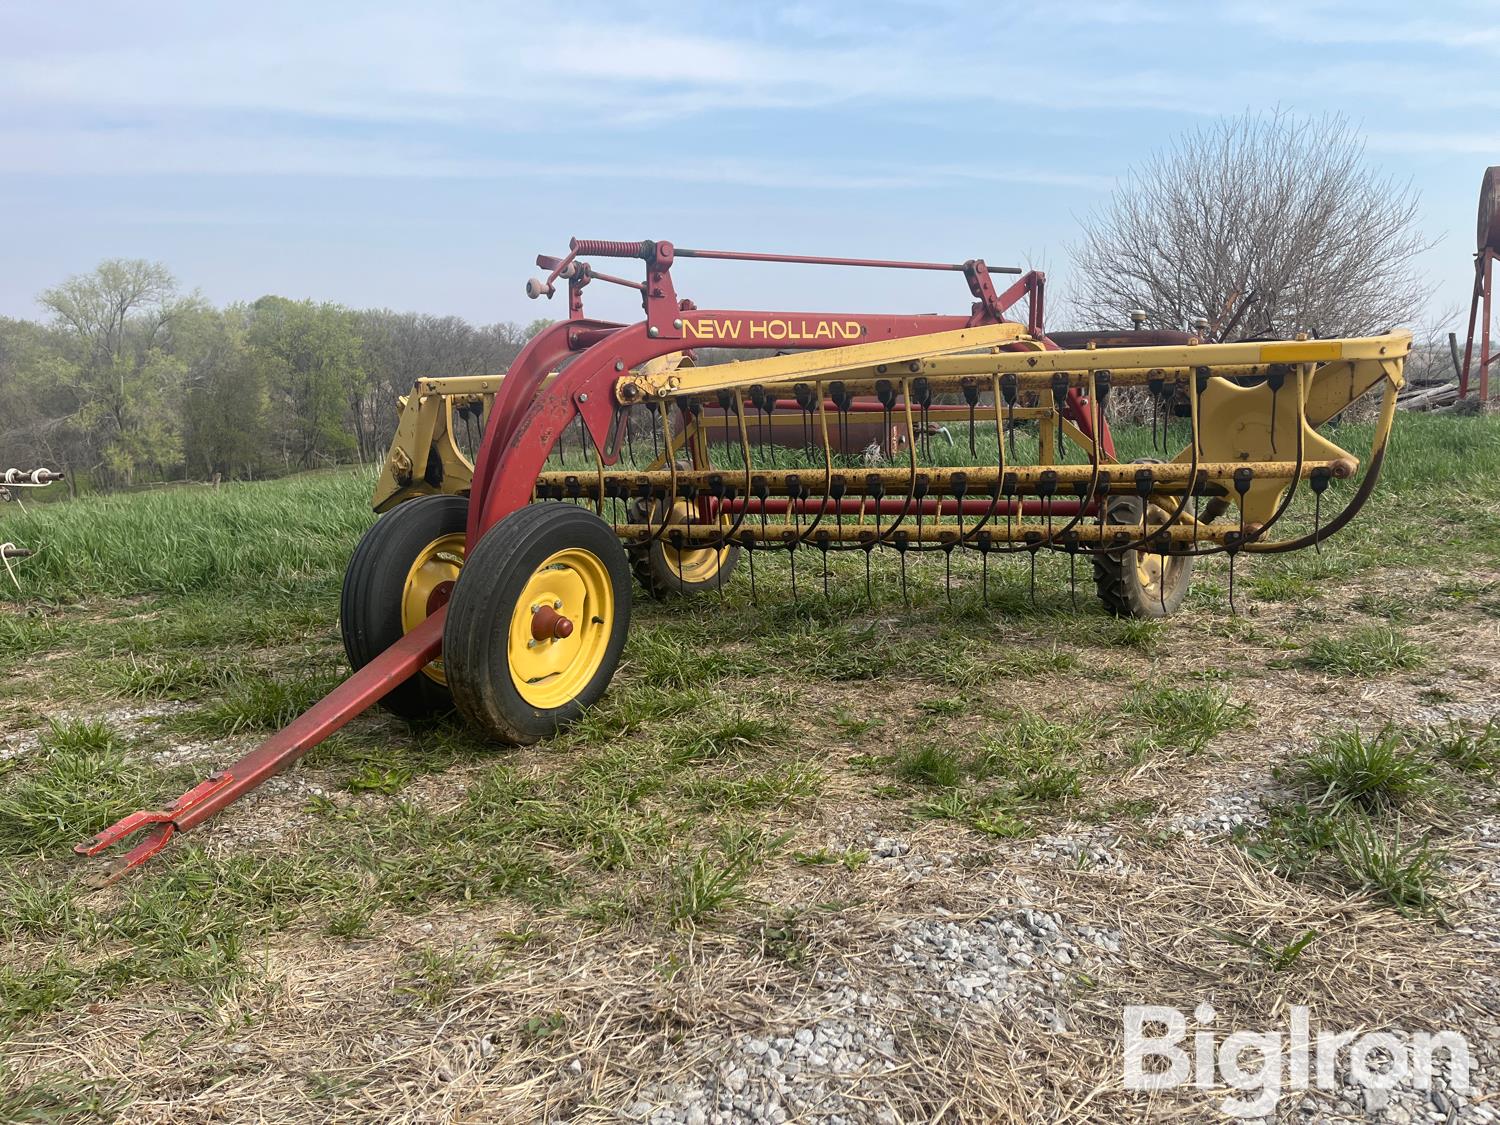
154 841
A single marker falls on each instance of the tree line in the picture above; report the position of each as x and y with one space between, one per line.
130 381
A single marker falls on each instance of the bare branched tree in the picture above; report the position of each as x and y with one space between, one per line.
1274 212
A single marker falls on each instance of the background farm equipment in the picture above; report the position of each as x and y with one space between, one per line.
501 584
1480 302
12 483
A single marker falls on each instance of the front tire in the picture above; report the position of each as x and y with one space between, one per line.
537 622
401 571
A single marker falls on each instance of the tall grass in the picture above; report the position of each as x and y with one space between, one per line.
271 534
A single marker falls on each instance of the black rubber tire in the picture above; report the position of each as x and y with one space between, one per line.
649 562
475 639
370 604
1118 581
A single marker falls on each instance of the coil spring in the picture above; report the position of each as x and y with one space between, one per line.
598 248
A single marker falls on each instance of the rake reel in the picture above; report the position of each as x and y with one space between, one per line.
498 581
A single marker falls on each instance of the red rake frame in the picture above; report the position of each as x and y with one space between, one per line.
530 413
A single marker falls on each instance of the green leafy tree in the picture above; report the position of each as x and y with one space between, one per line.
225 406
116 327
314 372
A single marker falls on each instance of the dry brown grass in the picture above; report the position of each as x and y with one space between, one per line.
546 1012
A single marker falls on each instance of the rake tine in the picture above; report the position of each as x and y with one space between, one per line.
901 540
1319 482
681 581
869 593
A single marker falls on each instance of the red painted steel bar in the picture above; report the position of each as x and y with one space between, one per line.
392 667
605 248
818 260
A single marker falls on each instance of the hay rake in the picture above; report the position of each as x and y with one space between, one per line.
500 583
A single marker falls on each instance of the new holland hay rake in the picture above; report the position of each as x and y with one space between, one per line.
502 584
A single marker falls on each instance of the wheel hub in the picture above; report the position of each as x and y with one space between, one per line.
549 625
560 628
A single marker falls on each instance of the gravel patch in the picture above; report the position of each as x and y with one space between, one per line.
827 1067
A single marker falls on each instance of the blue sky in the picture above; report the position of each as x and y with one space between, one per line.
418 157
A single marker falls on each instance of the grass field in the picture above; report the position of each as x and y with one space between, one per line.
774 809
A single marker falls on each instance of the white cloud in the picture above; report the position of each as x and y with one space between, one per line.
514 68
145 150
1365 23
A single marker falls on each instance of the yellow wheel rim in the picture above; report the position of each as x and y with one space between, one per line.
1148 569
688 565
429 583
550 670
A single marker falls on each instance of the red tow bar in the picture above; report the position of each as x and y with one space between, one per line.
392 667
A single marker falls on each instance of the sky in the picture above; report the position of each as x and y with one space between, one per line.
418 157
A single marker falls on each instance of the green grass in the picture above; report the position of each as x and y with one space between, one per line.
1183 717
177 540
1408 873
1367 650
227 600
260 700
171 674
1028 764
1347 851
759 788
1472 751
851 859
59 1098
430 977
28 633
77 781
939 766
1373 772
1278 957
713 879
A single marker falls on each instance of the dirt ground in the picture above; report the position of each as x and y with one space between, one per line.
885 948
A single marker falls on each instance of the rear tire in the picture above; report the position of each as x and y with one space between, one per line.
391 584
665 571
1140 583
514 672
